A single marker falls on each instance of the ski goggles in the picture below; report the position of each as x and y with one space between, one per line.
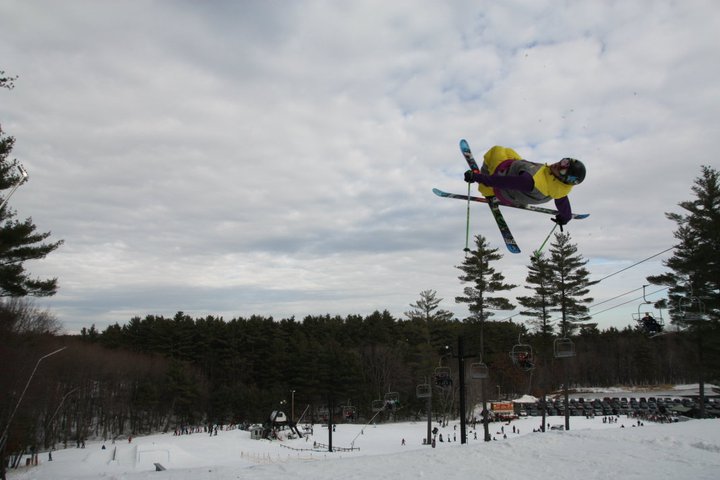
563 169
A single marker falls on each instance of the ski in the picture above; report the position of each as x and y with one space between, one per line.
507 235
531 208
469 158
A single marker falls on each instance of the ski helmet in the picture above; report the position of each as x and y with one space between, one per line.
570 171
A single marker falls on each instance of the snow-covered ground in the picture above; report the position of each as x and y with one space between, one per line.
591 449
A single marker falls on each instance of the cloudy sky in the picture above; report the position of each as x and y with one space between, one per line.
277 157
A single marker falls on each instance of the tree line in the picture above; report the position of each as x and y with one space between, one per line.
157 373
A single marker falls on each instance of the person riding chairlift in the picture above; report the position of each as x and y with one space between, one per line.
525 361
650 324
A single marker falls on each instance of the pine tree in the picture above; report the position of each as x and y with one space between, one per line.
424 308
537 307
425 317
694 282
19 242
485 281
570 284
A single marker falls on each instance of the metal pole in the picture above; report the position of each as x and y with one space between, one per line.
292 406
537 252
566 395
428 406
461 374
467 224
330 423
4 436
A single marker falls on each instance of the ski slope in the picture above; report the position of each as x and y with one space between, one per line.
591 449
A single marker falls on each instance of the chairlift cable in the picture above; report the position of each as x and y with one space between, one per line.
635 264
629 301
614 298
621 295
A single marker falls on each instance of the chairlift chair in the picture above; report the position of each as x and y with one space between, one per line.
23 178
423 390
650 324
348 412
686 307
443 378
479 370
392 400
694 315
392 397
646 321
522 356
378 405
563 348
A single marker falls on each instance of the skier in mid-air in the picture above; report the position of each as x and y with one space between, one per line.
514 181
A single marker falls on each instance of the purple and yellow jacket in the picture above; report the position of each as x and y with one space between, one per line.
514 181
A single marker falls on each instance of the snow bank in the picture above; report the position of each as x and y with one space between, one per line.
590 449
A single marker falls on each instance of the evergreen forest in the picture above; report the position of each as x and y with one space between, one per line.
158 374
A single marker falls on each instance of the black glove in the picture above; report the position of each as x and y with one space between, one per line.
560 221
469 176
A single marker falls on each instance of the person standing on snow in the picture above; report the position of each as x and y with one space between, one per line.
514 181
